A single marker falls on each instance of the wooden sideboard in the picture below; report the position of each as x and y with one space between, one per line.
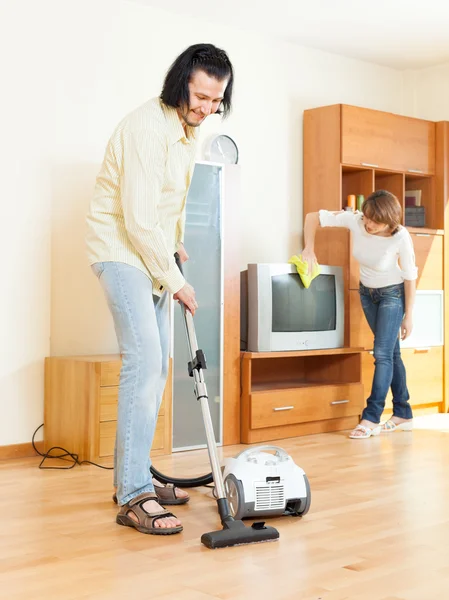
287 394
80 411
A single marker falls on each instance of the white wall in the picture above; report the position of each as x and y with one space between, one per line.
431 93
25 201
73 70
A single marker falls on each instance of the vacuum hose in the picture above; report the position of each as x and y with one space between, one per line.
183 483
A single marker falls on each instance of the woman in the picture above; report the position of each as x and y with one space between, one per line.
388 275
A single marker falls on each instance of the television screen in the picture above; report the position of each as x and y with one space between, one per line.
295 308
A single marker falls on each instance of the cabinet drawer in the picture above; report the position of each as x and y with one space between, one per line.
424 371
110 372
429 260
108 403
107 436
388 141
360 334
301 405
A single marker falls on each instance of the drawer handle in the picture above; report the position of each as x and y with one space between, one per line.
369 165
422 234
340 402
415 170
422 349
283 408
371 352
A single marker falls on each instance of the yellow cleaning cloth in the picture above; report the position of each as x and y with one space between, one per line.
303 270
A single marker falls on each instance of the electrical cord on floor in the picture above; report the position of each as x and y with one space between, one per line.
73 457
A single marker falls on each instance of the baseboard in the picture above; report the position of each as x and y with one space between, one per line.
20 450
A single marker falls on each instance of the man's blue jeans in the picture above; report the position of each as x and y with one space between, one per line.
384 310
141 323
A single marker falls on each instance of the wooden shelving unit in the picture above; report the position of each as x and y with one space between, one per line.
352 150
285 394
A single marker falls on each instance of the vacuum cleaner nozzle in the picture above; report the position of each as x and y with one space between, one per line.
235 533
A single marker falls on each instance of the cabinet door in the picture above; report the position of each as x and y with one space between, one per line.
424 373
424 367
429 260
387 141
360 334
203 239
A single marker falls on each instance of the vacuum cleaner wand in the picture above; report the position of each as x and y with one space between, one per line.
234 531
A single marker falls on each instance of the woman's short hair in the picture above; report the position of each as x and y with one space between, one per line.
384 208
205 57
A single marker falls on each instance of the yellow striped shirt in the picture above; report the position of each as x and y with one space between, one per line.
137 213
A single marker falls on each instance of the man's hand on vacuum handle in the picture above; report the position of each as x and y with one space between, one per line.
186 295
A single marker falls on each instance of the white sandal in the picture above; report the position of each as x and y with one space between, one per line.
389 426
366 432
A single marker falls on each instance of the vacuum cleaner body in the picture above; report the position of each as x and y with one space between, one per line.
259 483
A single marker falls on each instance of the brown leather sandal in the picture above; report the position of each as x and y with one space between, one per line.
146 519
166 495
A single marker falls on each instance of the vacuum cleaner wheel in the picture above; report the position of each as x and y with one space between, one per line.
235 495
302 506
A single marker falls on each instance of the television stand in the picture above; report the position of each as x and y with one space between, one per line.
289 394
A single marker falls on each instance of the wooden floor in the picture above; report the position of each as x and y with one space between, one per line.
378 529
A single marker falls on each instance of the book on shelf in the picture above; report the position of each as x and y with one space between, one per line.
412 198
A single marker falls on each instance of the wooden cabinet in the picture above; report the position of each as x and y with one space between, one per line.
354 268
80 411
424 371
352 150
287 394
384 140
360 334
429 260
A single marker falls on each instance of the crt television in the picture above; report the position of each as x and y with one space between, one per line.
280 314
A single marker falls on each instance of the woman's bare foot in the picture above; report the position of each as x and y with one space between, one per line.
369 424
365 429
398 420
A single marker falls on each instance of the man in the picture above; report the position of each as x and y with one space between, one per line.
135 224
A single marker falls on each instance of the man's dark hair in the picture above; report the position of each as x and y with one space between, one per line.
199 57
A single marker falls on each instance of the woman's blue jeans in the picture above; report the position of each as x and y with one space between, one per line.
384 310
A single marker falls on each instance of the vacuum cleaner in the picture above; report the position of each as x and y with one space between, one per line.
258 482
234 531
255 483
